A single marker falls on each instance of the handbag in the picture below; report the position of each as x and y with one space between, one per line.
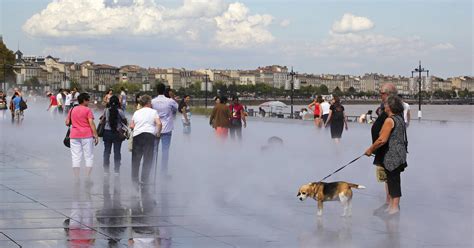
130 141
67 139
23 105
3 106
101 126
123 132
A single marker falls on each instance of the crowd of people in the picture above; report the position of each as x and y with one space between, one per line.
152 125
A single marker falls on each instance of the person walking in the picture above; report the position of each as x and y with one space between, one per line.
114 118
387 89
147 127
3 104
59 99
15 106
67 101
185 111
315 106
406 111
220 118
337 119
53 104
166 109
393 133
325 106
74 97
238 117
123 99
83 135
107 97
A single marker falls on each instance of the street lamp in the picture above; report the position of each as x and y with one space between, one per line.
420 70
292 86
205 86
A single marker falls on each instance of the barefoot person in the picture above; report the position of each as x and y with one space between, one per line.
83 135
393 133
315 106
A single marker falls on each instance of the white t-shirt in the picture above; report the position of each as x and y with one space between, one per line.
59 98
406 107
68 99
325 107
144 120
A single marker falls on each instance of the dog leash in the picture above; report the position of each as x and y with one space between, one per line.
339 170
342 167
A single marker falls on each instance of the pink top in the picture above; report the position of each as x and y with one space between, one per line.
80 122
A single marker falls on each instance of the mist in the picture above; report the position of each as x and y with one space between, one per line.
233 194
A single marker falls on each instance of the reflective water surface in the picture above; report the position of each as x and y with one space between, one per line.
230 194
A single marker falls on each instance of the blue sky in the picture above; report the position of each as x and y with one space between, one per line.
347 37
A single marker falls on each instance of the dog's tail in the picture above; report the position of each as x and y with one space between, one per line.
357 186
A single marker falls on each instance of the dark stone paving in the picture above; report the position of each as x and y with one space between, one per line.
228 195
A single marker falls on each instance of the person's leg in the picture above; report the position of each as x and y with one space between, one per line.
117 155
238 130
232 132
148 157
88 149
107 150
165 149
137 153
394 189
76 153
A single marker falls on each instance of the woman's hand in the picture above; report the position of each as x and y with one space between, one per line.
368 152
96 140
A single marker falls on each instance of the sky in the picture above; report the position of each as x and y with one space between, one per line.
314 36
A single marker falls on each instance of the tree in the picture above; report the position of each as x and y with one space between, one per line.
7 60
464 93
351 90
337 91
323 89
32 82
75 84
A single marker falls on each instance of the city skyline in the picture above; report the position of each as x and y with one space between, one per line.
320 37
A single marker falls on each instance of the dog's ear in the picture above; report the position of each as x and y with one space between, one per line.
298 194
312 184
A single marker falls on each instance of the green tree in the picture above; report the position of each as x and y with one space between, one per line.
337 91
323 89
75 84
32 82
7 60
351 90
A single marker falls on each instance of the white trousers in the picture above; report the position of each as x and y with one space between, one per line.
82 147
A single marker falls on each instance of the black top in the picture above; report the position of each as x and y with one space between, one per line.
375 130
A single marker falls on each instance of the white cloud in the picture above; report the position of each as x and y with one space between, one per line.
443 46
101 18
285 23
236 29
357 45
351 23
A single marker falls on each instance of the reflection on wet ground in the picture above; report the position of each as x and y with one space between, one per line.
232 195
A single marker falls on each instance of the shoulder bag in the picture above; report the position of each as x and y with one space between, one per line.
67 140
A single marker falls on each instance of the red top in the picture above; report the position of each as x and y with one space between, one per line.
236 109
316 109
80 122
54 101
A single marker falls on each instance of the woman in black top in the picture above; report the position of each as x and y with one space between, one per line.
337 118
114 121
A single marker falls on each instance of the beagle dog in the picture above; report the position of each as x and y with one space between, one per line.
335 191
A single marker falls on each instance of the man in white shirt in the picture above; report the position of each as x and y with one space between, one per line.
59 98
67 102
406 112
325 108
166 108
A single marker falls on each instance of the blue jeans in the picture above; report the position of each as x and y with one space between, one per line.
111 139
165 139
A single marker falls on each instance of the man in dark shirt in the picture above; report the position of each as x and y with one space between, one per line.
385 91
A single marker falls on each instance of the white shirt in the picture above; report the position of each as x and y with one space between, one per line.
325 107
68 100
144 120
166 109
406 107
59 98
74 98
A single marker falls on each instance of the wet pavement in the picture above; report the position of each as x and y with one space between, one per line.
233 195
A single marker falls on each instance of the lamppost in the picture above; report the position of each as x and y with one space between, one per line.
292 88
420 70
206 87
